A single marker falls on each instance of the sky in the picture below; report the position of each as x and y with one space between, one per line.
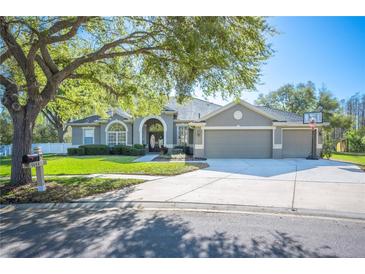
329 51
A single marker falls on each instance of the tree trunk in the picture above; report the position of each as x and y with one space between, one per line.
60 134
22 144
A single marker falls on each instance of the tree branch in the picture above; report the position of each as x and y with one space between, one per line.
61 25
95 80
45 112
13 47
48 59
10 98
98 55
4 56
8 84
26 64
44 67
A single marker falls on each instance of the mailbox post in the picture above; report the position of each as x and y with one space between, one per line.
36 160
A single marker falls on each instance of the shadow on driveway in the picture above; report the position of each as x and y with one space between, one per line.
116 233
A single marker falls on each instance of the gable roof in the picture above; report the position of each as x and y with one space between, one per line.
243 103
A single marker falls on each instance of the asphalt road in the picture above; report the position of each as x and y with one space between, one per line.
129 233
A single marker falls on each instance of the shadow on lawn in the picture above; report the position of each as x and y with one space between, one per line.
121 233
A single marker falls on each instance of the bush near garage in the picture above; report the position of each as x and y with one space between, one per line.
183 149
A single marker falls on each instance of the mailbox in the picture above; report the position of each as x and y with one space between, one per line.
30 158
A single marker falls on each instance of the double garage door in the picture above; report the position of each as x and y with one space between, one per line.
238 143
255 143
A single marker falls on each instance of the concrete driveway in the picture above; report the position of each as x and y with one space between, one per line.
287 183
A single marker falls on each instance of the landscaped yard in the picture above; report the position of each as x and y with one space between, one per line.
349 157
61 189
79 165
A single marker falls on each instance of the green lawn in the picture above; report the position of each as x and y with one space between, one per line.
79 165
349 157
61 189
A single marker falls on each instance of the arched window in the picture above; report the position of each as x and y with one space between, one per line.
116 134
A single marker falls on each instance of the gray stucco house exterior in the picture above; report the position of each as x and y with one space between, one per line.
236 130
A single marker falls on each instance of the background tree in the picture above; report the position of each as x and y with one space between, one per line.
327 103
159 54
293 98
355 107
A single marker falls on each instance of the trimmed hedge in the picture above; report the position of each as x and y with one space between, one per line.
76 151
96 149
139 146
135 150
128 150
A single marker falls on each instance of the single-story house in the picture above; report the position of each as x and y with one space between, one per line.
236 130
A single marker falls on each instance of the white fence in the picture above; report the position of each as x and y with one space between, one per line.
57 148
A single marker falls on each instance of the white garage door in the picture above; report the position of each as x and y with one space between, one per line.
238 143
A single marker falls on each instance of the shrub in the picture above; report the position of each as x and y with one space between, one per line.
75 151
139 146
118 149
95 149
184 148
327 150
127 150
137 152
164 150
177 151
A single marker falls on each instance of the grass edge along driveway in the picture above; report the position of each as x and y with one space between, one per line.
354 158
105 164
60 190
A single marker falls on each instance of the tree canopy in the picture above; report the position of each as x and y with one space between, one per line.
135 62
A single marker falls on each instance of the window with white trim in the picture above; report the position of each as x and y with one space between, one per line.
116 135
182 135
88 136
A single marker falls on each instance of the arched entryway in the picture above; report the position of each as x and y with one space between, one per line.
153 133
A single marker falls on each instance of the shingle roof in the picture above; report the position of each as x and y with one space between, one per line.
90 119
282 116
192 109
195 108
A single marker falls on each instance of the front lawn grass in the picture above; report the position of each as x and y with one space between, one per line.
61 189
83 165
354 158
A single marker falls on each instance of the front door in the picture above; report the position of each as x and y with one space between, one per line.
155 141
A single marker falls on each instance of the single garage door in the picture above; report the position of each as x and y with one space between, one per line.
238 143
297 143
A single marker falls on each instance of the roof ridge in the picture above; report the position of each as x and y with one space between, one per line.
279 110
195 98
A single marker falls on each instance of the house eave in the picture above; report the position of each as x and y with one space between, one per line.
82 124
297 124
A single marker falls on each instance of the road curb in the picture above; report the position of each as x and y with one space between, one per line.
186 206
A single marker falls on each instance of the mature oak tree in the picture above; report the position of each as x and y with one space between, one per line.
156 55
